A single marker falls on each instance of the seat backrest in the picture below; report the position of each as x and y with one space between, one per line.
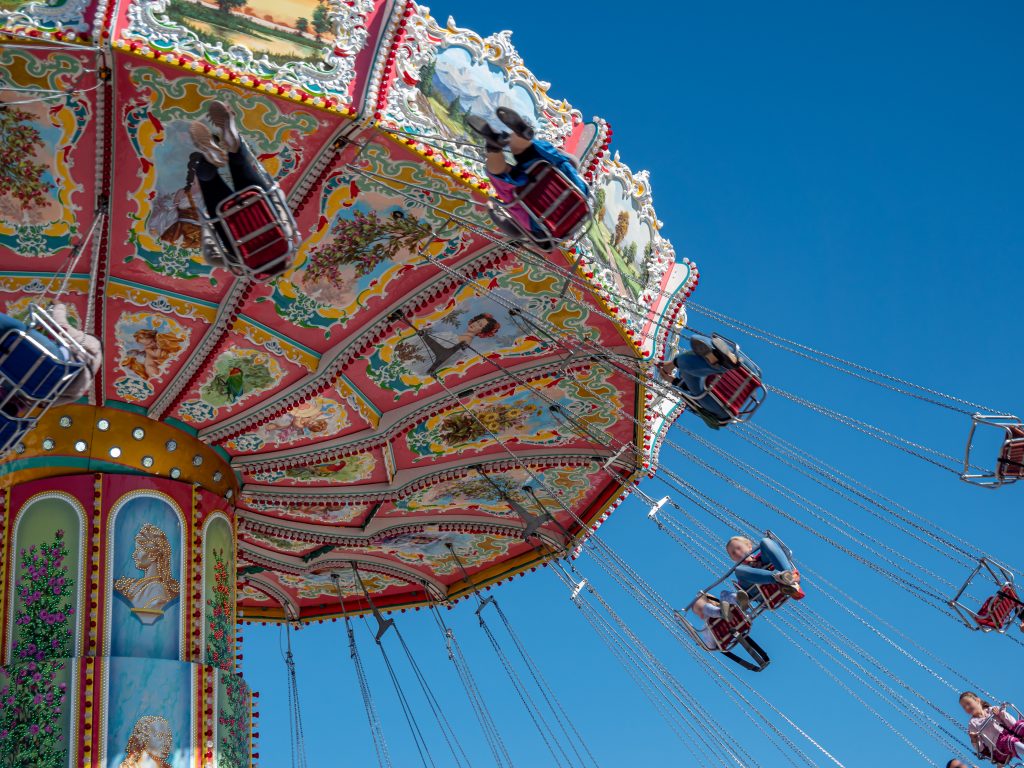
554 200
733 388
771 594
727 633
30 369
258 235
997 610
1011 458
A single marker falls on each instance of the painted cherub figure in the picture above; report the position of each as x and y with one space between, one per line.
155 349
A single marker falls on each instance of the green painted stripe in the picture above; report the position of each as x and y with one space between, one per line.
83 463
187 428
359 393
121 406
668 303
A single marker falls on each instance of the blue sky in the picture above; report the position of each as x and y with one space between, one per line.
845 176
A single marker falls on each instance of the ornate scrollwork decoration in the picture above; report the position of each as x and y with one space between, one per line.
331 75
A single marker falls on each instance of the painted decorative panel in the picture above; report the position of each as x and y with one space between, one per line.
149 714
48 148
146 570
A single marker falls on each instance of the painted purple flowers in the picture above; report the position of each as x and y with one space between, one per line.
33 694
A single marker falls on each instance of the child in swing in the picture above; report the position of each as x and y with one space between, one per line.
526 150
80 385
995 733
219 144
707 356
751 570
707 607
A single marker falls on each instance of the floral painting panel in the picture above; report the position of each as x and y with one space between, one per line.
35 719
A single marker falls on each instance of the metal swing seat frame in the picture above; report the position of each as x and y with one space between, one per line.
254 232
739 391
32 377
552 203
735 631
987 748
996 614
1010 462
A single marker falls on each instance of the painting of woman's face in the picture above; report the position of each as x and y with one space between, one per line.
143 559
477 326
159 738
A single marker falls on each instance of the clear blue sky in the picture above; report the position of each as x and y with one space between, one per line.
847 176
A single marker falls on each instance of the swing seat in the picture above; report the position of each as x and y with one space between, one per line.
32 371
254 233
37 365
734 389
735 631
738 391
998 611
1009 466
769 596
989 748
553 204
1011 458
728 632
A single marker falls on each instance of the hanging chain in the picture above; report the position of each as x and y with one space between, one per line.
740 325
380 745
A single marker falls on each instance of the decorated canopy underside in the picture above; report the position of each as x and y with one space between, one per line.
317 385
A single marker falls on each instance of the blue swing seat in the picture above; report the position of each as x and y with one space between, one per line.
37 364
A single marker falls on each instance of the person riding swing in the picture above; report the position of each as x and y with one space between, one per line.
541 194
249 229
43 363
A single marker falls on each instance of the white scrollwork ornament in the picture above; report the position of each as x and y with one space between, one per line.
49 16
425 38
636 190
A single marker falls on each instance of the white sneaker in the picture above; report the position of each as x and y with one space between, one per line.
743 600
223 118
202 138
787 578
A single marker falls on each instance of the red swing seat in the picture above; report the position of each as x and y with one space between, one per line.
254 233
733 388
1010 461
998 611
728 632
771 595
732 632
552 202
738 391
996 614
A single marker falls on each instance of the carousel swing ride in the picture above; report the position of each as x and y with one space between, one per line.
373 373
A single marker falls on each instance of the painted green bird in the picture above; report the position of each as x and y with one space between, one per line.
233 384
